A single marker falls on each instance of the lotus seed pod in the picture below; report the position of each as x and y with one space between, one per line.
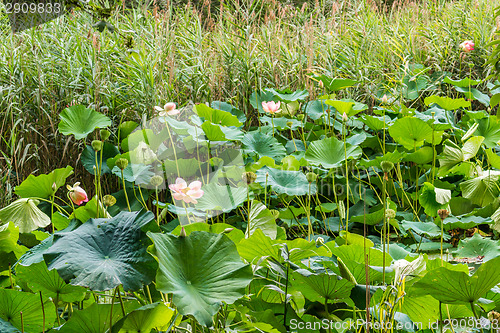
121 163
275 213
300 117
386 166
156 180
494 316
289 124
390 214
311 177
105 134
108 200
182 234
97 145
443 213
249 177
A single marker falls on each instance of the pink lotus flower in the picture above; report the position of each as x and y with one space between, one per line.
77 194
271 107
467 46
186 193
167 110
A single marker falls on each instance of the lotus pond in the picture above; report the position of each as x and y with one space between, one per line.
310 215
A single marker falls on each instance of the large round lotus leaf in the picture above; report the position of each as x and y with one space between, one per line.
489 128
25 214
330 152
481 190
9 235
41 186
89 158
411 132
261 218
142 320
476 246
223 198
39 278
80 121
13 302
452 287
104 253
322 287
201 270
447 103
219 117
263 145
285 182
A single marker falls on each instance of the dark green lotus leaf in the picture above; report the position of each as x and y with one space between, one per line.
6 327
96 318
221 198
433 199
9 235
489 128
429 229
89 159
322 287
217 228
453 287
142 320
285 182
482 190
39 278
229 108
262 144
330 152
201 270
13 302
476 246
41 186
80 121
104 253
215 116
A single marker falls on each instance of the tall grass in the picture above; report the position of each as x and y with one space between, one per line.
181 54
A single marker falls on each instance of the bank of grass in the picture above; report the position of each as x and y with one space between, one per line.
180 54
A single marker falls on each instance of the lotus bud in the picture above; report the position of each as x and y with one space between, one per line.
54 187
227 230
300 117
275 213
443 213
384 99
344 117
183 233
386 166
390 214
105 135
320 241
97 145
156 180
108 200
249 177
311 177
122 163
321 84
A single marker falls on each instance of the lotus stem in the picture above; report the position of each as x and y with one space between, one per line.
43 312
125 191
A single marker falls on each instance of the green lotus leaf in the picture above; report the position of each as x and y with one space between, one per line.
394 157
423 155
39 278
41 186
453 287
489 128
220 197
80 121
126 128
478 246
229 108
285 182
483 189
6 327
411 132
493 158
9 235
374 217
25 215
96 318
263 145
89 161
317 109
216 132
217 228
322 287
430 229
335 84
14 302
330 152
104 253
259 245
433 199
201 270
216 116
289 96
463 83
146 318
282 123
135 173
376 123
261 218
447 103
260 96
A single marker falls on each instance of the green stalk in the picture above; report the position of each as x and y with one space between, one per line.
125 192
43 312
